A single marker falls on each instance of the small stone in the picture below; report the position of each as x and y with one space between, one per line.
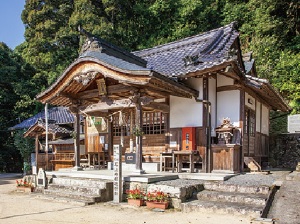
158 210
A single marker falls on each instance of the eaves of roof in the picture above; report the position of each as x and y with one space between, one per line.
60 115
267 92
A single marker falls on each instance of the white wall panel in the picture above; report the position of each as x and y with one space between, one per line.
265 120
228 105
224 81
185 112
258 116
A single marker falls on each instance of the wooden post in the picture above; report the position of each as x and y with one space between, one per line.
77 140
139 143
46 146
36 153
131 131
205 125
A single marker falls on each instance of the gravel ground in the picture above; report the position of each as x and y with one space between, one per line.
248 179
251 180
180 182
23 208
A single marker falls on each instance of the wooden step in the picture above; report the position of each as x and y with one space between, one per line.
252 164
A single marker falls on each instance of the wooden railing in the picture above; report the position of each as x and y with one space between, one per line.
64 156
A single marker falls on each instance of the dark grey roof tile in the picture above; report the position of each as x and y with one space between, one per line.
204 51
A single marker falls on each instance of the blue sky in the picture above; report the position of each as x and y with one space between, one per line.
11 25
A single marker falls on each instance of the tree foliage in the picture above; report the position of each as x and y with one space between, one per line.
16 102
24 145
269 28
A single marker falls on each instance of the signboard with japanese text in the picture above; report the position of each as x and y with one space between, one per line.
117 174
294 123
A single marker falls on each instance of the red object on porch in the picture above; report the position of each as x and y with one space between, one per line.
189 138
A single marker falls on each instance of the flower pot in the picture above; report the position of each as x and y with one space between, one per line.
154 204
25 189
135 202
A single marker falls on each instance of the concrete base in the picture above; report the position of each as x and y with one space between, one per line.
77 168
138 171
206 176
149 178
147 167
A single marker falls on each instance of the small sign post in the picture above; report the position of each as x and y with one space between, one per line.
294 123
41 178
117 169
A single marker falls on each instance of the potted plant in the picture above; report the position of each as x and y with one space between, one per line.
157 199
24 185
135 197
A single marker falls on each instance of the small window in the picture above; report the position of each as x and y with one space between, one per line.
153 123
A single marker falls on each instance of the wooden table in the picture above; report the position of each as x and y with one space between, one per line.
178 155
95 157
164 156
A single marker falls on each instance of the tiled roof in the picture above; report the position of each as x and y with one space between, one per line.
191 54
98 44
114 61
60 115
267 92
40 126
68 141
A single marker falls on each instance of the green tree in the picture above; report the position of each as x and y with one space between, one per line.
10 78
271 29
25 147
50 46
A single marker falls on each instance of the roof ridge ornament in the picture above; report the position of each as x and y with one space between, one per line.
91 43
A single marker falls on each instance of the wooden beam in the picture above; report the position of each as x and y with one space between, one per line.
155 92
158 107
227 88
114 89
117 104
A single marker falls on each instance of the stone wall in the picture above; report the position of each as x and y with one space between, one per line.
285 150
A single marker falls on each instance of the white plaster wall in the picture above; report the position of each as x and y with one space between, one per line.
212 97
185 112
197 84
265 120
250 104
228 105
258 117
224 81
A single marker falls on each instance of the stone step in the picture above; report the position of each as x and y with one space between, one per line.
235 208
56 198
244 198
84 182
73 195
81 189
216 186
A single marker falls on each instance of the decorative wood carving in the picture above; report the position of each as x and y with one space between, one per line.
101 87
85 78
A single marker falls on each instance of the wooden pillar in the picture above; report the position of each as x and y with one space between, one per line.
242 118
205 125
110 140
139 137
131 131
77 140
36 152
